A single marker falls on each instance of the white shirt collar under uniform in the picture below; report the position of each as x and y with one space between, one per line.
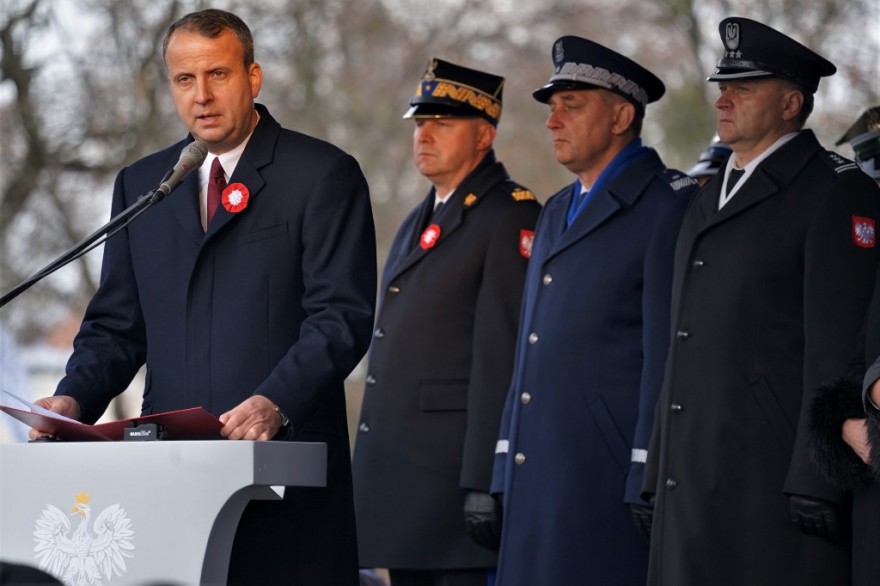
726 197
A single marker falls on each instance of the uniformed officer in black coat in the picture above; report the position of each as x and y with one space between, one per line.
773 274
838 433
442 350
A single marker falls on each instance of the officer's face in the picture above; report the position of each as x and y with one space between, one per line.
213 91
447 149
581 123
753 114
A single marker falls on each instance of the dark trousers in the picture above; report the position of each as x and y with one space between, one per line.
438 577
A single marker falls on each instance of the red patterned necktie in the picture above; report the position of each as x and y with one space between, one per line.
216 185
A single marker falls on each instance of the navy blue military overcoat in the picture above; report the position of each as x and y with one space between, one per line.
590 353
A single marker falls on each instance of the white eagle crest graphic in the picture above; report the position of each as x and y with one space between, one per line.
92 552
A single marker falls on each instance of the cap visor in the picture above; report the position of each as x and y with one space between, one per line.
543 94
740 74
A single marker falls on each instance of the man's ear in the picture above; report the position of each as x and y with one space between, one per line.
792 102
624 116
486 135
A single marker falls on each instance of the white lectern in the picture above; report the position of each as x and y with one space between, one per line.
158 512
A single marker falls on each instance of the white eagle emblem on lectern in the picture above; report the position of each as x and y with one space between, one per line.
92 552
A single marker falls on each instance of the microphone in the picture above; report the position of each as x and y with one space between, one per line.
192 157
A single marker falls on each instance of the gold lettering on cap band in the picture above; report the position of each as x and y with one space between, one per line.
461 93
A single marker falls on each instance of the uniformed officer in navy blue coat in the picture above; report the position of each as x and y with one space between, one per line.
773 274
442 349
593 334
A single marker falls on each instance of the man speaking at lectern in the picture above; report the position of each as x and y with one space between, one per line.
255 308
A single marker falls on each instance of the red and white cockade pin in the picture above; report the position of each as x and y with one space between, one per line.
864 232
235 197
430 237
526 239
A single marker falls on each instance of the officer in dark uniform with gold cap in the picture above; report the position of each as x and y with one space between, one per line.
594 333
442 351
775 266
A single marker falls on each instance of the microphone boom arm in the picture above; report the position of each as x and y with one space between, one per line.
192 157
116 223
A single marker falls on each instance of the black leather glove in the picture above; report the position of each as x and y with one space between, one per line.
643 517
814 516
482 519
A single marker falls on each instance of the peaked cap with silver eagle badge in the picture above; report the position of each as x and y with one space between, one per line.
754 50
583 64
448 90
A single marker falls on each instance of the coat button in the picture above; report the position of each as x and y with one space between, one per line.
547 279
682 334
671 483
363 427
393 289
525 398
519 458
379 333
533 338
698 264
370 380
675 408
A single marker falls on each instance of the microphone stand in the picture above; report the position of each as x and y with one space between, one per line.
117 223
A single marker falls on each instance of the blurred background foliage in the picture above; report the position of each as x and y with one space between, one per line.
83 93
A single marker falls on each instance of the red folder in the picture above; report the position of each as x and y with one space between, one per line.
186 424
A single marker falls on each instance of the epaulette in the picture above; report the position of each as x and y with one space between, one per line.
678 180
839 164
522 194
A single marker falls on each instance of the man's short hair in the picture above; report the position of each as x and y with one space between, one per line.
211 23
809 100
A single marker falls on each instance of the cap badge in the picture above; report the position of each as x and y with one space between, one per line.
430 237
469 200
731 36
429 72
863 232
559 51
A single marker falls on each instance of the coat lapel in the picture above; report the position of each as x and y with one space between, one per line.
257 154
407 251
623 191
778 169
603 206
184 206
467 196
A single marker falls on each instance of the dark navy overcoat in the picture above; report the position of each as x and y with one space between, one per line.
276 299
592 343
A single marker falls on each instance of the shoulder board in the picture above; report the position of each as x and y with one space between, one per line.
678 180
838 163
522 194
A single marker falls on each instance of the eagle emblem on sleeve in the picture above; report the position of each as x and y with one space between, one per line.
863 232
